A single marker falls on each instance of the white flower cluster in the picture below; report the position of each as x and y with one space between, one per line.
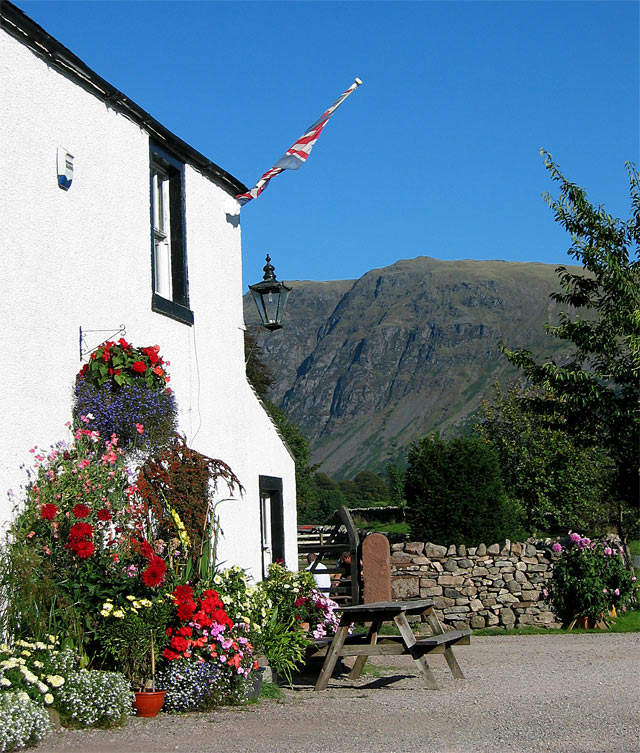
30 660
22 721
92 698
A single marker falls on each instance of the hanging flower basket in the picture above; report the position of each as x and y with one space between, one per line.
123 390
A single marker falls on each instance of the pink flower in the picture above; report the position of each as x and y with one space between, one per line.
575 537
607 550
604 591
617 592
31 534
140 428
557 547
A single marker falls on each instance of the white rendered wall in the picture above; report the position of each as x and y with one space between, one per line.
83 258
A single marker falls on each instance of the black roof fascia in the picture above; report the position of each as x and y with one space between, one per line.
24 29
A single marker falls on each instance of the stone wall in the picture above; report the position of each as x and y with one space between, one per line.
476 587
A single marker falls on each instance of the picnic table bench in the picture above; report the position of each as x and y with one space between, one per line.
406 643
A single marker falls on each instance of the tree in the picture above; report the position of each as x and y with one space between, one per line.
596 392
558 482
371 487
395 482
454 493
258 374
306 494
261 379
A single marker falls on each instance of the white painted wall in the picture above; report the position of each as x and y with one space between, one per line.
83 258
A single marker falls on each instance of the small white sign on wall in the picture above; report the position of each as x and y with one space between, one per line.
65 168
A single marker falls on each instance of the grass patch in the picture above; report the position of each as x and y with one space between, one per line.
634 547
372 670
625 622
378 527
271 690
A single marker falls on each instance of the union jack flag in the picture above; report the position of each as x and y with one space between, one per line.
297 155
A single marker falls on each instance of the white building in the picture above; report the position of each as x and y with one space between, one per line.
96 254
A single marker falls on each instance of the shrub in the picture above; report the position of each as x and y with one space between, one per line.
93 698
589 579
22 721
454 493
194 685
71 541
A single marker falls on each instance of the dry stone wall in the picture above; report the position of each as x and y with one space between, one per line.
501 585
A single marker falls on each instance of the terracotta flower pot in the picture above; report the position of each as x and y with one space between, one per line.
149 702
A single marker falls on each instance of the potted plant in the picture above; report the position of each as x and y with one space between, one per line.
131 633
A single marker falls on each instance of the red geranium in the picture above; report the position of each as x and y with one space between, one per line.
103 514
179 643
139 367
154 575
81 511
183 593
49 512
185 610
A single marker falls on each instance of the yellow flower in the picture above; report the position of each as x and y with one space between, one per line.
118 613
146 603
131 597
55 680
107 607
48 699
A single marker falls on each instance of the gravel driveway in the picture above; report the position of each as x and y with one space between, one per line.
526 694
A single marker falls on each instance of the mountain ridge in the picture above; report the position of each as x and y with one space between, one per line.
366 366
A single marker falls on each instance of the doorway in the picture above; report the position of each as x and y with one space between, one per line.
271 521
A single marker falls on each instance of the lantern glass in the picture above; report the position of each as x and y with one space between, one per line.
270 297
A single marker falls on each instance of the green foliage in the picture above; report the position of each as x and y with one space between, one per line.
350 490
395 482
597 391
306 494
371 488
258 373
454 493
130 630
558 482
589 579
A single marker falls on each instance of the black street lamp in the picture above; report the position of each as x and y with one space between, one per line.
270 297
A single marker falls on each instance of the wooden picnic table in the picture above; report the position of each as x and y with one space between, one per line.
406 643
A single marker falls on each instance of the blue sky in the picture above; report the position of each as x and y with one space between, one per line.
436 154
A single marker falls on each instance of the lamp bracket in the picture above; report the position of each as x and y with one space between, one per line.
85 350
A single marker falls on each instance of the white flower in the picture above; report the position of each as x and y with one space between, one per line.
55 680
5 682
23 696
48 699
38 664
42 687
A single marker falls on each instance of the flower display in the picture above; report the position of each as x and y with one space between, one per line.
207 633
124 390
122 363
590 579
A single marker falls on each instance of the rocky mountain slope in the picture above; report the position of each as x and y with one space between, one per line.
366 366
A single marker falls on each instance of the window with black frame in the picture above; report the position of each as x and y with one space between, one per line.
168 249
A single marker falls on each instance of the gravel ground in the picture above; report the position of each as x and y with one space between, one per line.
530 694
